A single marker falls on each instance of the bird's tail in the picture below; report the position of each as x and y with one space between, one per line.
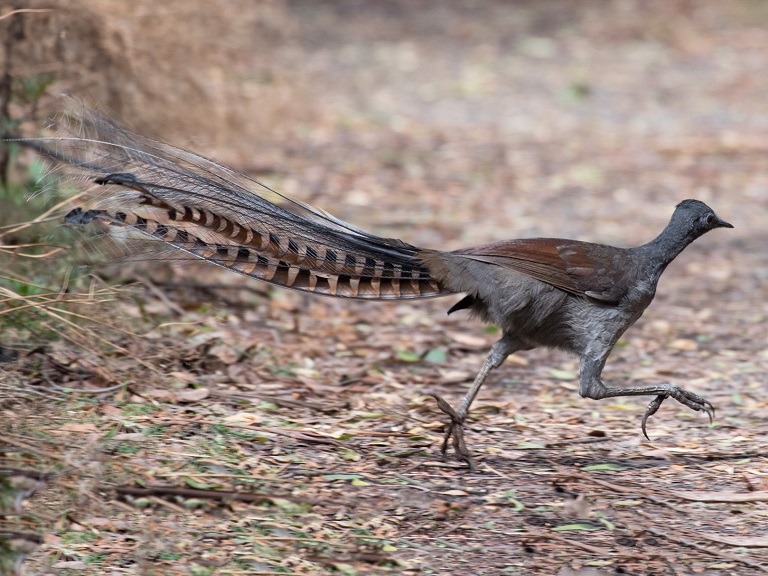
224 217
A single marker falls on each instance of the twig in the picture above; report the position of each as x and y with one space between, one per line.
94 391
25 10
24 391
573 441
207 494
690 543
655 497
600 552
758 496
35 538
13 442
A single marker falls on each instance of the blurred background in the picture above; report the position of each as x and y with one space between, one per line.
470 120
445 124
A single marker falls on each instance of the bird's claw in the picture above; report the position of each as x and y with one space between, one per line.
689 399
454 432
653 407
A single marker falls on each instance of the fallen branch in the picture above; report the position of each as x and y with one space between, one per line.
758 496
206 494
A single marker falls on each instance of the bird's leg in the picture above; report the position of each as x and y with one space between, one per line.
591 386
455 431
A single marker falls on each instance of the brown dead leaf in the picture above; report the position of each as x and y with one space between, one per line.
433 425
684 344
70 565
455 376
454 492
192 394
468 340
130 437
225 353
743 541
110 410
761 496
243 418
185 376
86 427
159 394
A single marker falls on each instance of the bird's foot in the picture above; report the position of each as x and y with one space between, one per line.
689 399
454 433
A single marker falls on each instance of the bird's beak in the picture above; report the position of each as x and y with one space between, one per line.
723 224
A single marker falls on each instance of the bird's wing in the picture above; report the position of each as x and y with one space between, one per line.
579 268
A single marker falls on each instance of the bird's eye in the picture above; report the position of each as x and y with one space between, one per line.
710 219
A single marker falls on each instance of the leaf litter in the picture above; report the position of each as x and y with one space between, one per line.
282 434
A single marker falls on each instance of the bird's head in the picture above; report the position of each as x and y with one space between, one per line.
697 218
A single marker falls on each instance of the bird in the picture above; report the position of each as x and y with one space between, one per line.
571 295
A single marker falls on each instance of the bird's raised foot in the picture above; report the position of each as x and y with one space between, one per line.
689 399
454 433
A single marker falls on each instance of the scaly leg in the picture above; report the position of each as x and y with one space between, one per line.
592 386
455 431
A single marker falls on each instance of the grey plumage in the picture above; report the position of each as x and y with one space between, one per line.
575 296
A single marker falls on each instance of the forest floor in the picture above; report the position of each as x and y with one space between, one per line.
223 427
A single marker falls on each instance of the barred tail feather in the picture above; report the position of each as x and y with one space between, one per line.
217 215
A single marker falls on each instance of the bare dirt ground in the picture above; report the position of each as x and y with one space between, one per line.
258 431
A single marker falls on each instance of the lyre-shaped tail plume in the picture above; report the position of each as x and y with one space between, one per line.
223 217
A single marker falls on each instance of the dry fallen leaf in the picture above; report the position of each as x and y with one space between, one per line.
744 541
242 418
468 340
130 436
192 394
86 427
684 344
159 394
721 496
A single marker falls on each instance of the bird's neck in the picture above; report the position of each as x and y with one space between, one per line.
660 251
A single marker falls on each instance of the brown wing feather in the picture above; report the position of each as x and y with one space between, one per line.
579 268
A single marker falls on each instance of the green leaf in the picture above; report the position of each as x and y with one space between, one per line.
510 496
562 374
341 477
287 505
606 466
267 406
358 482
143 502
198 570
529 446
599 563
734 421
350 455
576 527
371 415
346 569
200 485
436 355
407 356
607 523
